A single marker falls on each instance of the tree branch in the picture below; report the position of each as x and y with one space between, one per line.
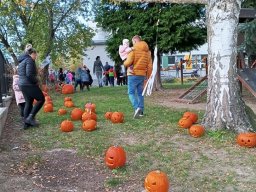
32 10
164 1
63 17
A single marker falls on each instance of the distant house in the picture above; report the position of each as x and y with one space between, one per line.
98 48
169 60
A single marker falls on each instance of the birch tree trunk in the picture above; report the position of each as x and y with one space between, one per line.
225 107
158 83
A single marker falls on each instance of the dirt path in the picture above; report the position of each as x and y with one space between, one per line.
168 98
61 170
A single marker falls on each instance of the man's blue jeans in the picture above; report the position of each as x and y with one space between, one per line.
135 89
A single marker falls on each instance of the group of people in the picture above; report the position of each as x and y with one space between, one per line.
137 60
83 77
107 74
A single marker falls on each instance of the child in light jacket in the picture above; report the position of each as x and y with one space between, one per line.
112 75
124 50
18 94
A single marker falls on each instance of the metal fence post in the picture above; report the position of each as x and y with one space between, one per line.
1 77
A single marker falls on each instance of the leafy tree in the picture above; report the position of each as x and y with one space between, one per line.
53 27
172 27
248 4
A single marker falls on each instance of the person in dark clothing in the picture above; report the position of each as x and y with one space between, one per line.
78 80
28 84
61 75
85 77
97 69
106 69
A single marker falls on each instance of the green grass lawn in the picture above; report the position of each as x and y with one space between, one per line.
213 162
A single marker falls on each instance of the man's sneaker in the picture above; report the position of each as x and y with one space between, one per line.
136 113
141 114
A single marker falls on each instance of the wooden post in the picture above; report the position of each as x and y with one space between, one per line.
206 66
181 73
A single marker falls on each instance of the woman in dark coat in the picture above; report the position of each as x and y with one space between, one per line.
28 84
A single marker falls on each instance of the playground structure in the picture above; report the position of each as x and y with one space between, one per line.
245 75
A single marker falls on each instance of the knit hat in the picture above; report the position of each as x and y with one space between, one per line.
125 41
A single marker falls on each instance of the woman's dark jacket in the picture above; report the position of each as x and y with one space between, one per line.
27 71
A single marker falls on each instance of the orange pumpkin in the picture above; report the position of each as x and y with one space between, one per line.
66 126
62 111
108 115
89 125
68 104
117 117
67 99
196 130
190 115
89 115
115 157
76 114
48 101
246 139
156 181
185 123
90 107
48 108
67 89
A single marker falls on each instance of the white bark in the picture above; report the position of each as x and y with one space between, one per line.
164 1
225 108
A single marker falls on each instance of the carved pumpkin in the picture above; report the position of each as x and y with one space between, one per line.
90 107
76 114
108 115
89 115
246 139
196 130
156 181
66 126
48 108
89 125
67 99
69 104
117 117
62 111
185 123
67 89
115 157
190 115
